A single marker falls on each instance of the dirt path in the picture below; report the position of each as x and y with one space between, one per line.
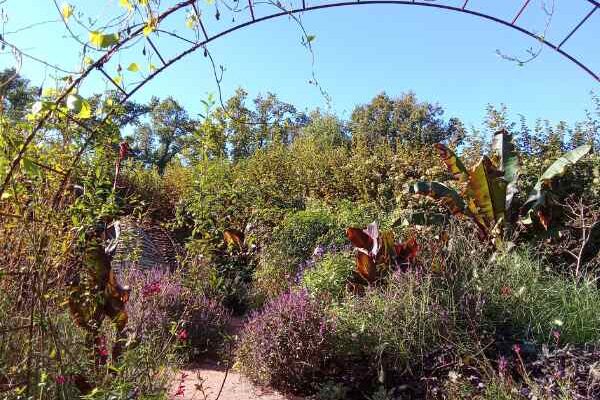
202 382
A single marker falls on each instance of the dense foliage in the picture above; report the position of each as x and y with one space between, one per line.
272 211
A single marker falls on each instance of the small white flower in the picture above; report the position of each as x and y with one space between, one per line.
521 291
557 322
453 376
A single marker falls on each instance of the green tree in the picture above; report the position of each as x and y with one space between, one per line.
271 121
16 94
402 120
165 135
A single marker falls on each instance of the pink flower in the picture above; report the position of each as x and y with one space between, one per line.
502 365
60 380
517 349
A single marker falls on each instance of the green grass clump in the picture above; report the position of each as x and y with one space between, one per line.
533 302
329 276
394 326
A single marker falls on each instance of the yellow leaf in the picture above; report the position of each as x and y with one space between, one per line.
86 110
101 40
88 60
150 27
152 67
126 4
143 2
118 79
67 11
191 21
133 67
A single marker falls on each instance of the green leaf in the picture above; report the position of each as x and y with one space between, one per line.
74 102
505 154
591 246
133 67
453 163
29 167
101 40
310 38
445 195
558 168
79 106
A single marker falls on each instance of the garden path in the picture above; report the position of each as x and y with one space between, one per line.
203 381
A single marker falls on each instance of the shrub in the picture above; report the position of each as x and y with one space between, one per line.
301 232
329 276
294 240
393 328
288 344
161 305
533 303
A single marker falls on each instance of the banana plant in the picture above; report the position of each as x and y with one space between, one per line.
95 292
378 253
487 190
538 203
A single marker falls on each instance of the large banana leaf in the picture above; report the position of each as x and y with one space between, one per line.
453 163
438 191
487 190
505 153
536 198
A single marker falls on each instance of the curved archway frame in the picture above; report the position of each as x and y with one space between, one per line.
196 45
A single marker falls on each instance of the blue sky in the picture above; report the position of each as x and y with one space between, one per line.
444 57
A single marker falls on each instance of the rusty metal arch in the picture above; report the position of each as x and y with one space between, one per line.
137 32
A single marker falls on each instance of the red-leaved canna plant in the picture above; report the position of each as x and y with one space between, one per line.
377 253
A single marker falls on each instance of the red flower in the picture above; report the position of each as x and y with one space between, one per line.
101 350
123 150
182 335
151 289
60 380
